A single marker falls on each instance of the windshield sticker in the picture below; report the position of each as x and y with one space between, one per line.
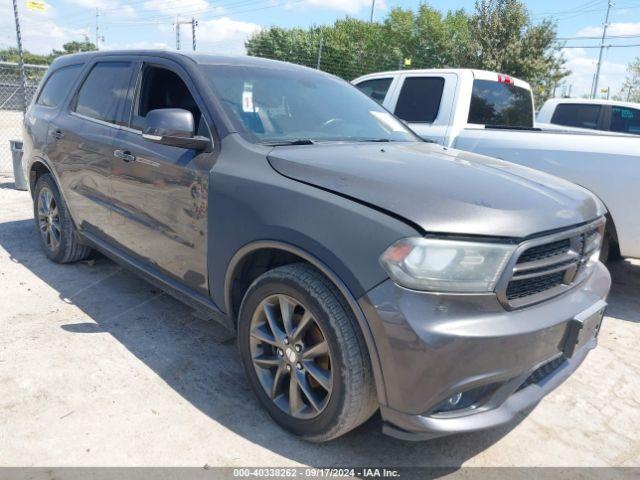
247 98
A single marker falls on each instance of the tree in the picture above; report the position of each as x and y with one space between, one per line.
630 91
499 35
508 42
11 54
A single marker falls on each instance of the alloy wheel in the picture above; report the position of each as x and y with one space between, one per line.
291 356
49 219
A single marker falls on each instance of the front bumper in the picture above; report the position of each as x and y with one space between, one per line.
433 346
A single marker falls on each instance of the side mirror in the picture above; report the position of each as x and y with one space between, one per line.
174 127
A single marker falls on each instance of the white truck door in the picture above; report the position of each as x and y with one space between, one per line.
425 101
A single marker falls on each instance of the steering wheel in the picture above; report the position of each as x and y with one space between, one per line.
332 122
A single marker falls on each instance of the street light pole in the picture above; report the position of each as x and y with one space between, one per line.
594 92
373 7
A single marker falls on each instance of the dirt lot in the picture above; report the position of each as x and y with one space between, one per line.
98 367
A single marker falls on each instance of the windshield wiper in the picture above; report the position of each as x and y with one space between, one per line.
377 140
281 143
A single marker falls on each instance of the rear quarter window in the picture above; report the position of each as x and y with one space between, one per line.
376 89
500 104
576 115
419 99
625 120
57 86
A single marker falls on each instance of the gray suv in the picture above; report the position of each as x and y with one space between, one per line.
362 268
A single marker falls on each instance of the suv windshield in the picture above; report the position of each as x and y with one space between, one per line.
296 106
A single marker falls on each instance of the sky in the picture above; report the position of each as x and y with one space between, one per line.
225 24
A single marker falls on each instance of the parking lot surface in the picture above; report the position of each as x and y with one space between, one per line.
98 367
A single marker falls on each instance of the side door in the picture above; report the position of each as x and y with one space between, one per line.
425 104
161 191
82 141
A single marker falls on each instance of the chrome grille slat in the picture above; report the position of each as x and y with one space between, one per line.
559 268
545 267
546 262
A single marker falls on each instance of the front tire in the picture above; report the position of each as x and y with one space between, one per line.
53 223
304 355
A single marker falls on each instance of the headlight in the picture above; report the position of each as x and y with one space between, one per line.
446 265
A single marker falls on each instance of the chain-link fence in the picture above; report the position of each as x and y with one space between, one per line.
12 101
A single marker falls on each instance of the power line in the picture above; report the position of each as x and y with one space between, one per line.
586 37
603 46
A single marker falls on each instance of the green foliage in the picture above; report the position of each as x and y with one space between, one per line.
630 91
499 35
11 54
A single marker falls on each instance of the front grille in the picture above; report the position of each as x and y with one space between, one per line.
524 288
543 372
548 266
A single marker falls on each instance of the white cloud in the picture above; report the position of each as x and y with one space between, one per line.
224 35
347 6
621 28
40 33
173 7
143 45
583 67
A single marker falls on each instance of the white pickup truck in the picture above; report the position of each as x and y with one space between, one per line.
592 115
493 114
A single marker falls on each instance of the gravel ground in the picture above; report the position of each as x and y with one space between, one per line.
99 368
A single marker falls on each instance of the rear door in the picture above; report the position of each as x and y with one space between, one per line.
425 102
160 212
82 136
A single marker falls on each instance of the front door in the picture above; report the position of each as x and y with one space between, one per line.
160 212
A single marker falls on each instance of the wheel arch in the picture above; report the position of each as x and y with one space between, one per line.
268 254
38 168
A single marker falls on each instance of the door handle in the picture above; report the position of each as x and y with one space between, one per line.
125 155
58 134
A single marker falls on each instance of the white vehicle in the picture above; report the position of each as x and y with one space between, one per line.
608 116
493 114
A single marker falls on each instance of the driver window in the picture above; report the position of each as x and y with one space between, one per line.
162 88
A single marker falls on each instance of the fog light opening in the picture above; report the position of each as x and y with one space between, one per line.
467 400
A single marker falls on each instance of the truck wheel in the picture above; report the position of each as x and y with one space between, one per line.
54 225
304 355
609 252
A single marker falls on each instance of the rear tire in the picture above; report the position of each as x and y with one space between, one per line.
266 332
610 251
53 224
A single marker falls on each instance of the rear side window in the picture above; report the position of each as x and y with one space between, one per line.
500 104
419 99
376 89
626 120
57 86
106 92
576 115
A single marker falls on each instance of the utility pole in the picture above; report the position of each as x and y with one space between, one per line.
604 37
194 24
23 79
178 31
97 29
373 7
319 53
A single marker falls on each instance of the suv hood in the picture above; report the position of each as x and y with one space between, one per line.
439 189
